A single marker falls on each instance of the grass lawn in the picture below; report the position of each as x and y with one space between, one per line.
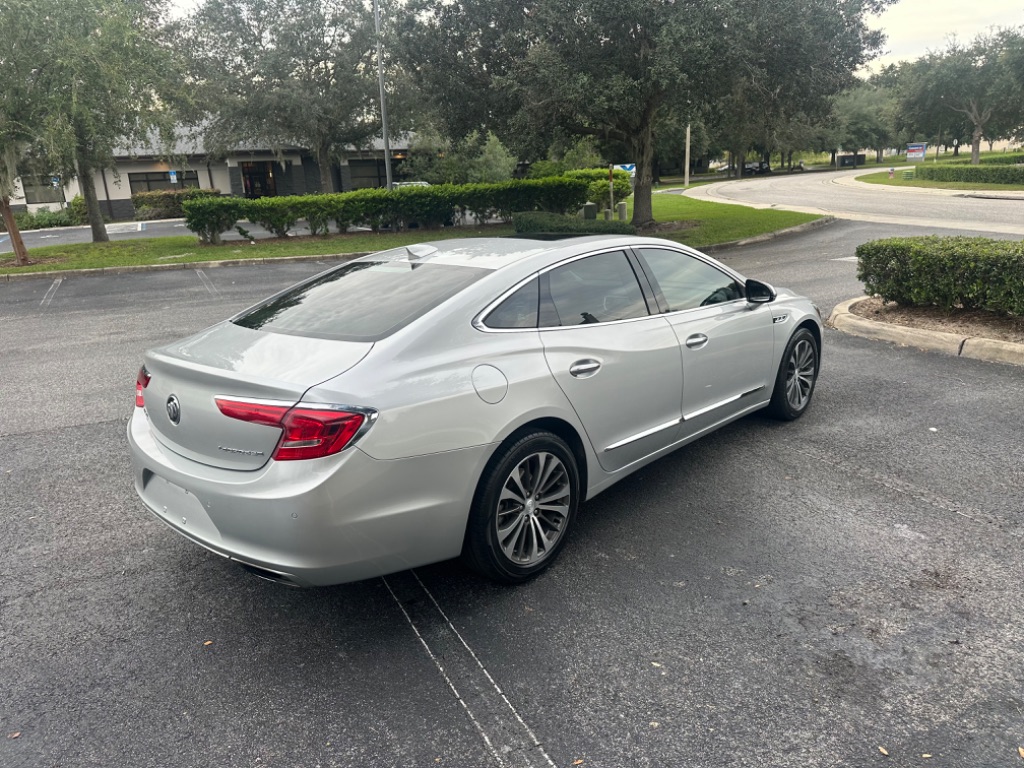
899 181
717 222
713 223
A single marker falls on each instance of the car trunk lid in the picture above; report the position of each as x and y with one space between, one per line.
230 361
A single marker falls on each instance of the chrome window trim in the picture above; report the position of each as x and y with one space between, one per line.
478 321
645 433
728 271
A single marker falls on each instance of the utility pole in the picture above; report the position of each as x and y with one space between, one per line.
686 172
383 101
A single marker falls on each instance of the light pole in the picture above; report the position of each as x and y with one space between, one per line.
383 102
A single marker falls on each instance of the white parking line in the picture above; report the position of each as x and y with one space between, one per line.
49 294
509 739
207 283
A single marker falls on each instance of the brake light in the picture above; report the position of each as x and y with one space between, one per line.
307 432
141 382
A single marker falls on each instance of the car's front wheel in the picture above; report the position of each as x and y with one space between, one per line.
523 509
797 375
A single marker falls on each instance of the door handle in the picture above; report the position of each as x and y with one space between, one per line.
696 341
581 369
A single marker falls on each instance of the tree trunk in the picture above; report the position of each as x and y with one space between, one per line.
833 161
976 146
643 151
878 155
92 204
20 254
323 159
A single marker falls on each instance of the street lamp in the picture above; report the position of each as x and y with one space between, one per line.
383 102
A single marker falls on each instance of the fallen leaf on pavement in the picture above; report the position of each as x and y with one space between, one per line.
884 751
14 735
577 762
1020 751
925 756
208 642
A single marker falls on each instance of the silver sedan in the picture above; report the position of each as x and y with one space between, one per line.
460 397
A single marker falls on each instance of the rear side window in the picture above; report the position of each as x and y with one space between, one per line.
597 289
517 311
361 301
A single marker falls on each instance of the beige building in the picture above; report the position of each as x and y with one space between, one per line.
248 172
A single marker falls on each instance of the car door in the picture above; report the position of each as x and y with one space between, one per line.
619 365
727 343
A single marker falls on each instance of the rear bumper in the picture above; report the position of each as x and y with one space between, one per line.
311 523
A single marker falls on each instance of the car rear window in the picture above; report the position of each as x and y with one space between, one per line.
361 300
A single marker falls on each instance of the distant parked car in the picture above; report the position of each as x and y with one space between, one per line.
454 397
752 169
411 184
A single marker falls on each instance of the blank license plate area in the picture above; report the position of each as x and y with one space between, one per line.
180 508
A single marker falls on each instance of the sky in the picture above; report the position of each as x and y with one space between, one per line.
915 27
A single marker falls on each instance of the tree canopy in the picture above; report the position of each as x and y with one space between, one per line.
281 73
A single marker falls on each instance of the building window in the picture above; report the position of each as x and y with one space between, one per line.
152 180
40 189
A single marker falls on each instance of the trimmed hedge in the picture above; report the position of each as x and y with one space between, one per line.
981 174
426 207
538 222
43 218
166 203
1008 158
945 272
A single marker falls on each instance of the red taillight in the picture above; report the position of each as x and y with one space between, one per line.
141 382
306 432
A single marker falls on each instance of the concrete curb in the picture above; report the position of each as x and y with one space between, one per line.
822 222
57 273
957 345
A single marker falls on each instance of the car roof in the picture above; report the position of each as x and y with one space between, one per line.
494 253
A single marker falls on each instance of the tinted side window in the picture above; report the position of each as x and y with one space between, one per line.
687 282
597 289
517 311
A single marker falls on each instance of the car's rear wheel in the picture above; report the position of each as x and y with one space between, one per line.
523 509
798 373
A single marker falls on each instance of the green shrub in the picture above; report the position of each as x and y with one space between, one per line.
43 218
543 169
1007 158
166 203
945 272
537 222
208 217
275 214
79 211
981 174
376 208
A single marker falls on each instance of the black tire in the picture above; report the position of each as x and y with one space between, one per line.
798 373
524 508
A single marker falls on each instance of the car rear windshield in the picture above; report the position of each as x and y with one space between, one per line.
360 301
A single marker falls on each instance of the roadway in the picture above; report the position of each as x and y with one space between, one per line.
837 194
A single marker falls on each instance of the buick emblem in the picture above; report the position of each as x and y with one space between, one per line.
173 409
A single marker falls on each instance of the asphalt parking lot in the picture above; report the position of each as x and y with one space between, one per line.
772 595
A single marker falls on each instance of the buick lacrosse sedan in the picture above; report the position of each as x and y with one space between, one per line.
459 397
